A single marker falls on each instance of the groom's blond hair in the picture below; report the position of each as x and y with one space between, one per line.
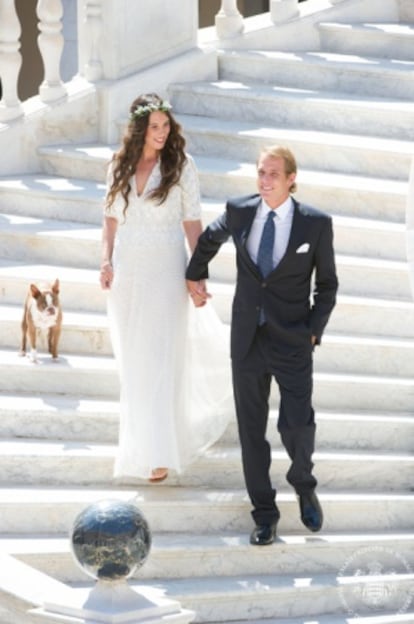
278 151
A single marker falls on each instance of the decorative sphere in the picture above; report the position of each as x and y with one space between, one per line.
110 539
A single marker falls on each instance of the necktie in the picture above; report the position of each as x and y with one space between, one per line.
265 253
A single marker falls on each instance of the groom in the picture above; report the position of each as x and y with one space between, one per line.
285 292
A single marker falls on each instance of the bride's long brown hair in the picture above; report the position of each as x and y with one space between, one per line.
125 160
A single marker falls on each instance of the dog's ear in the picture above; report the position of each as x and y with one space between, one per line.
55 287
35 291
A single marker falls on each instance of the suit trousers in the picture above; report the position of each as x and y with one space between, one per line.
252 378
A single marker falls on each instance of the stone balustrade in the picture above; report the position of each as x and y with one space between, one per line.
99 22
10 61
50 42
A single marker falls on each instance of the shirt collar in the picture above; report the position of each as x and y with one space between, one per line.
282 211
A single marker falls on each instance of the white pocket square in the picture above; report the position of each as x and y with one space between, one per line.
303 248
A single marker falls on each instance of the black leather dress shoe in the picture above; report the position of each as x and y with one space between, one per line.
263 534
310 511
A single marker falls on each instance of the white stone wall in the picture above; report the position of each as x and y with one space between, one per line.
406 10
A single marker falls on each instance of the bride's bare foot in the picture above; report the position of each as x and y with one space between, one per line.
158 474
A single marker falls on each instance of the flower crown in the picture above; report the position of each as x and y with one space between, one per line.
146 109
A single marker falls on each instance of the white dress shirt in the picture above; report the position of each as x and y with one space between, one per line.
283 224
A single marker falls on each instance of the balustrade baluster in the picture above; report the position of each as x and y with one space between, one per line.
93 67
229 20
50 42
10 61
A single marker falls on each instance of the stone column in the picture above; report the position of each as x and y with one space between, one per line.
10 61
229 20
93 16
51 42
283 10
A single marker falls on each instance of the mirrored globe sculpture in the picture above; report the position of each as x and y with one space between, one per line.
110 540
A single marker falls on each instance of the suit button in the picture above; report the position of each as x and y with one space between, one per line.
264 284
257 308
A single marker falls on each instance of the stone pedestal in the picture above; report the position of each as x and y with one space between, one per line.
110 540
114 603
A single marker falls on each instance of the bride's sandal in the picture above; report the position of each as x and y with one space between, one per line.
158 474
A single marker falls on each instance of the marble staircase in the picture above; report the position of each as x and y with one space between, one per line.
347 113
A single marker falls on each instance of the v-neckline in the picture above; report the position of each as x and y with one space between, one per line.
151 173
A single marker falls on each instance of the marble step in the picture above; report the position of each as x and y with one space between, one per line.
368 315
21 197
50 510
56 158
296 107
80 289
324 70
96 376
353 314
89 334
88 161
384 618
358 315
220 599
313 149
79 375
82 332
57 463
358 276
362 236
365 355
79 245
392 41
338 194
178 555
52 197
37 240
65 418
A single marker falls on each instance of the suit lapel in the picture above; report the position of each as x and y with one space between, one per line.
243 234
295 237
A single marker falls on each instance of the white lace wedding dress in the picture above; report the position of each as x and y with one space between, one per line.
172 358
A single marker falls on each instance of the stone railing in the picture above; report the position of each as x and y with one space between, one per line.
50 41
112 44
229 21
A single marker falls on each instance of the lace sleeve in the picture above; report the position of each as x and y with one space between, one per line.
115 210
190 187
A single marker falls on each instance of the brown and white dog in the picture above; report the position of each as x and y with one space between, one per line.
42 313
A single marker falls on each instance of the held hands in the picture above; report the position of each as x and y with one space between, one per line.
198 292
106 276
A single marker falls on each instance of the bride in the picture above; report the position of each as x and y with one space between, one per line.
172 358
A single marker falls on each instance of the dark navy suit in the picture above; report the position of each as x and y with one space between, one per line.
297 297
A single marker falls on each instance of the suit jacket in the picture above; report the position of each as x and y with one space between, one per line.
298 295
